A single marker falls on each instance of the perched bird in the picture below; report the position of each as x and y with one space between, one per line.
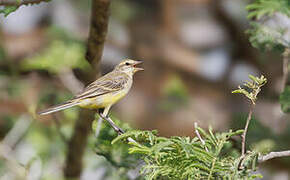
105 91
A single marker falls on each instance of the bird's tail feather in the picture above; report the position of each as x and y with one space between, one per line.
58 107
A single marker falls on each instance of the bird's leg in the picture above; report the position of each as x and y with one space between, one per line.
114 126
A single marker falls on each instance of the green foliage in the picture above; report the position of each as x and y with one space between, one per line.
263 36
285 100
116 154
175 87
123 10
59 56
174 94
260 8
185 158
252 88
7 10
267 38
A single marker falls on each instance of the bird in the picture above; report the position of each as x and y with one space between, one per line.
103 92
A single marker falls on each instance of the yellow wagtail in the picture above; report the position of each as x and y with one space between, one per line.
105 91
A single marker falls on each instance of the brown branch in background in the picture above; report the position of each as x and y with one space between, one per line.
246 129
272 155
70 81
20 2
98 31
96 40
12 138
77 144
286 57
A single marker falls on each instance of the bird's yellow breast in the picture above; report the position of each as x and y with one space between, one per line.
103 100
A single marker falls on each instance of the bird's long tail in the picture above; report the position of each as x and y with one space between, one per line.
58 107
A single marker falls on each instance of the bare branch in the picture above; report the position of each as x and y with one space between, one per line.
9 142
199 137
96 40
20 2
116 128
12 163
246 129
77 144
98 31
272 155
18 131
286 57
69 80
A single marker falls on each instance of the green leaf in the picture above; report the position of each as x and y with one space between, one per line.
260 8
58 57
267 38
285 100
8 9
186 159
252 87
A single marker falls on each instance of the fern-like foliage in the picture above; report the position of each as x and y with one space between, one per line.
186 158
252 88
260 8
120 162
267 38
6 10
263 35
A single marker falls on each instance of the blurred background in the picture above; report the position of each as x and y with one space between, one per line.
195 53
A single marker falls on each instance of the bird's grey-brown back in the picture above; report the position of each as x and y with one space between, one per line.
113 81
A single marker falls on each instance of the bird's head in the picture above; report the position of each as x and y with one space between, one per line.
129 66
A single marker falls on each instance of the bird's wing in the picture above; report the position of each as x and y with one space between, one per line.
111 82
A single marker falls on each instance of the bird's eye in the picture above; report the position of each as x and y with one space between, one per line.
127 64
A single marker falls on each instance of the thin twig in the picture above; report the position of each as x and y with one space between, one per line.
115 127
20 2
272 155
286 57
12 163
13 137
246 129
199 137
20 128
112 124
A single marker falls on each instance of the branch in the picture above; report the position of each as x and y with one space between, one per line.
10 141
98 31
286 57
96 40
115 127
199 137
70 81
11 162
20 2
272 155
246 129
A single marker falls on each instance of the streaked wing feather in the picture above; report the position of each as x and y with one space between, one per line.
111 82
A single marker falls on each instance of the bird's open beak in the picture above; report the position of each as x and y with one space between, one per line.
137 68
